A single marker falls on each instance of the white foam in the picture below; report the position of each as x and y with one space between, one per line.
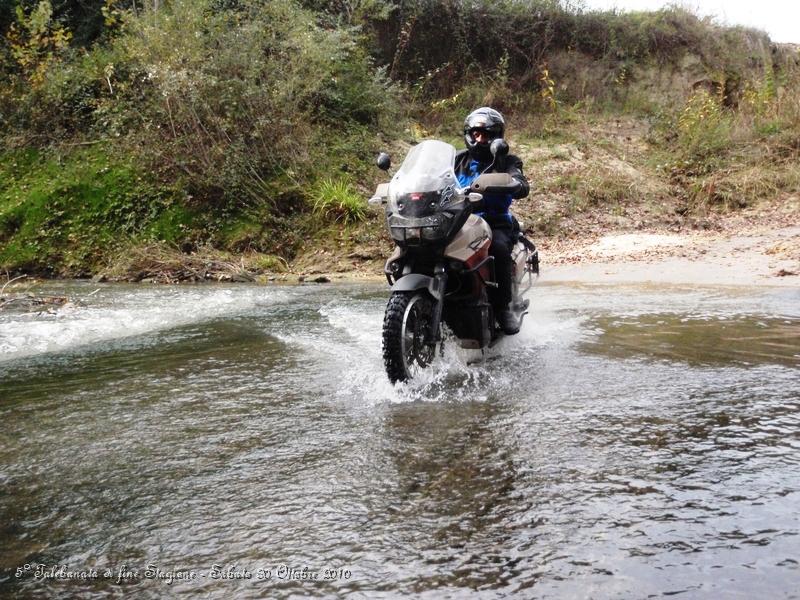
353 356
348 350
111 315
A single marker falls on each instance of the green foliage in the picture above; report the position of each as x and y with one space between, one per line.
236 107
82 94
65 214
253 119
37 41
732 158
239 106
742 185
336 199
350 12
87 20
664 35
269 263
695 139
441 46
704 126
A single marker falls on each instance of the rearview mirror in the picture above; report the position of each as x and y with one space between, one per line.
384 161
499 148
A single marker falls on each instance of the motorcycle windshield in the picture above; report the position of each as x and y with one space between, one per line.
428 169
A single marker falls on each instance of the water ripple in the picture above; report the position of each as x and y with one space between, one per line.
609 450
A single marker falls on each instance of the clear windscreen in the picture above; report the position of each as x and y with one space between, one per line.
419 194
428 167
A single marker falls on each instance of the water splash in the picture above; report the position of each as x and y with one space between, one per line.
91 319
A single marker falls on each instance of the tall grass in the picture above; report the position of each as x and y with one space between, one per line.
338 201
733 157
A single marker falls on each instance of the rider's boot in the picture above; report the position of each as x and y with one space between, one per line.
509 322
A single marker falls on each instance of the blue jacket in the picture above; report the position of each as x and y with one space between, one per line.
496 206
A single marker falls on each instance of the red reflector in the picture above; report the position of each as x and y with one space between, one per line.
416 196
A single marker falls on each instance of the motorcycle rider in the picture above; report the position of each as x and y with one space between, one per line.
481 127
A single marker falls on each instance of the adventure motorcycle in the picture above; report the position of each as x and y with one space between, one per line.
441 267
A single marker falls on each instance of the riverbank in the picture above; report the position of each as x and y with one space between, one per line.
700 258
604 206
755 255
601 211
757 246
645 231
769 258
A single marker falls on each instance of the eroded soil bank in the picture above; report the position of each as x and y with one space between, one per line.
737 250
602 208
752 247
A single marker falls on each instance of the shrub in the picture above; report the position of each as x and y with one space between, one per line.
740 186
37 41
233 97
704 126
336 199
269 263
735 157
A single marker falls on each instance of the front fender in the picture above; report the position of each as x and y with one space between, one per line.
415 281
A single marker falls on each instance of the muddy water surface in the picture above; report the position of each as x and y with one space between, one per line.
244 442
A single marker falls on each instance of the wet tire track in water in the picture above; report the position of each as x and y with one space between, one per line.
631 441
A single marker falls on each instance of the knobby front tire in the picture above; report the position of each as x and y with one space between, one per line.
405 330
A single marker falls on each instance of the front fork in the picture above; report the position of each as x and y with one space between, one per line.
439 286
437 290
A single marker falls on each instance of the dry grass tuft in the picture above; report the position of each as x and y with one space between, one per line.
160 263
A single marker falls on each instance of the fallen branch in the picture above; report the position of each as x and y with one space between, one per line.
29 301
10 281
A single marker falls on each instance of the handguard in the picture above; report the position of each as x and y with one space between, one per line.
495 183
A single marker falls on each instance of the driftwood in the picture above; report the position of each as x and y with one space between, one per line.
29 301
26 300
163 265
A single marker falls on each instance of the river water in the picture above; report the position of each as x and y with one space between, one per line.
243 441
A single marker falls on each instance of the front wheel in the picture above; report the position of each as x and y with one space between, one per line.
406 328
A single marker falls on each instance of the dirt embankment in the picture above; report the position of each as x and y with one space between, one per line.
599 210
758 255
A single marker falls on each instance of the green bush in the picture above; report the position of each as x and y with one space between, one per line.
734 157
704 126
336 199
65 214
232 98
441 46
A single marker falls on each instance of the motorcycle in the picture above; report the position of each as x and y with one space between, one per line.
441 268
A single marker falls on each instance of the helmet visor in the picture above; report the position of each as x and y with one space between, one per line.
481 136
487 134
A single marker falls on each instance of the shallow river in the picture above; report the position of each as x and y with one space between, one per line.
243 441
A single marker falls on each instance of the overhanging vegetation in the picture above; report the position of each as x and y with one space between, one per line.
250 125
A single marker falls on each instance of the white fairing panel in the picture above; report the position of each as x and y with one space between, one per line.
473 235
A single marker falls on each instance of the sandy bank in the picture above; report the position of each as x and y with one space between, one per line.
765 257
756 257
